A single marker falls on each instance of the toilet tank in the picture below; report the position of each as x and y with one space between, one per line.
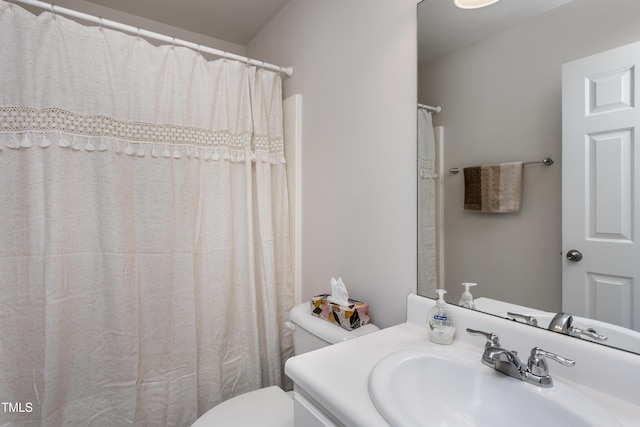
311 333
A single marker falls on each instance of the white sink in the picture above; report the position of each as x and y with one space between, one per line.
443 387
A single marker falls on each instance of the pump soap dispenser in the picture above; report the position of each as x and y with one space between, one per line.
441 329
467 298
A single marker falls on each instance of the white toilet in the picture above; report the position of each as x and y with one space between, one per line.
271 406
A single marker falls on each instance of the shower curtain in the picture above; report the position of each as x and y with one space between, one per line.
427 272
144 237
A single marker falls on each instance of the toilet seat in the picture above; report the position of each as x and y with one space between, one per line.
266 407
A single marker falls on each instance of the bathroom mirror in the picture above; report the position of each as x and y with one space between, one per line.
497 74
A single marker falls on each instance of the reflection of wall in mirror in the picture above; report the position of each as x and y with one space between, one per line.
501 100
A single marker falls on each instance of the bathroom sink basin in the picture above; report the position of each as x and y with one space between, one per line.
452 388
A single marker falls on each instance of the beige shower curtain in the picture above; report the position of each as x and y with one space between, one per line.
427 176
144 247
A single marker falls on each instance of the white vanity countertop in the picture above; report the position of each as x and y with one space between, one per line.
336 377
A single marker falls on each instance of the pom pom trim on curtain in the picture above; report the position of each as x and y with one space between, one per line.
30 126
94 89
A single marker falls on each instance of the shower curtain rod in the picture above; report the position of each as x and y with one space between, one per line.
288 71
435 109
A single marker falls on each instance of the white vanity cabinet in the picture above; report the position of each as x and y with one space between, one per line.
309 414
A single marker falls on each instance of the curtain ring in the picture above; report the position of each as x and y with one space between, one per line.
173 43
53 11
138 33
101 24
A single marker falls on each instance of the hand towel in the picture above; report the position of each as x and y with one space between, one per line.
493 188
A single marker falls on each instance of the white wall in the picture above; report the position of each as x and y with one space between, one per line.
501 100
355 66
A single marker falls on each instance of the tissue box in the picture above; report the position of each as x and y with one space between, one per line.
349 317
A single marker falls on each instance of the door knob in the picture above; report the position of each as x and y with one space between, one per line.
574 255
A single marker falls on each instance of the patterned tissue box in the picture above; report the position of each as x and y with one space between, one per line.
349 317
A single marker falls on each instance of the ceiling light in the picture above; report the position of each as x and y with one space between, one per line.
473 4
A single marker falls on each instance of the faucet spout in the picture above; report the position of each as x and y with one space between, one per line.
498 358
504 361
561 323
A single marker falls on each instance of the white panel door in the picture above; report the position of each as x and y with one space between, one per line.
601 187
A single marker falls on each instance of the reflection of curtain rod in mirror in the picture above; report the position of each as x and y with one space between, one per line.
435 109
547 161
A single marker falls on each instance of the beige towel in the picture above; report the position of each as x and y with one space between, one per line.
493 188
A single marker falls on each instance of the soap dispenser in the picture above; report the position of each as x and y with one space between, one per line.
467 299
440 322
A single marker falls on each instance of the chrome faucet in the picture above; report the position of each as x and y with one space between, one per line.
563 323
507 362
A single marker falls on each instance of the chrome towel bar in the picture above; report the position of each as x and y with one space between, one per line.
547 161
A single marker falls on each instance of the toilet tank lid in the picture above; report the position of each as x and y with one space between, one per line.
301 316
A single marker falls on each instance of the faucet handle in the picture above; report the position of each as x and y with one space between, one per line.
538 365
591 333
530 320
492 339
